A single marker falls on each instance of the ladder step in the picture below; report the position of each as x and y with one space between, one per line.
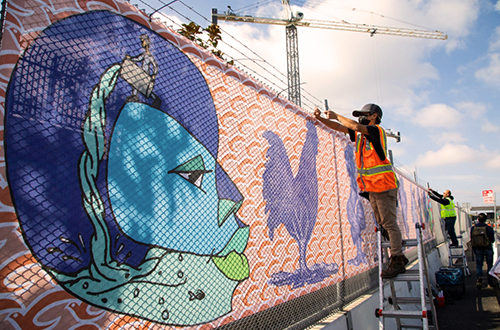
414 326
410 300
406 242
411 326
402 314
411 275
456 247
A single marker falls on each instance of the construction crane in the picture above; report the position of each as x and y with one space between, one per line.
292 51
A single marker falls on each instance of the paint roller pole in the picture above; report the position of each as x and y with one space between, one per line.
495 221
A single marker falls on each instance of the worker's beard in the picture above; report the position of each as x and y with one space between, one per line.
363 120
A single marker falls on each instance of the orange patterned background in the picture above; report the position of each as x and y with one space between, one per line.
245 109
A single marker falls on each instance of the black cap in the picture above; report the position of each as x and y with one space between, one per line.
367 109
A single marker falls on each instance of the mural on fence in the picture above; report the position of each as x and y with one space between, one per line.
146 183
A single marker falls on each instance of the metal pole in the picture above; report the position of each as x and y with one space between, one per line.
2 18
495 218
292 58
495 206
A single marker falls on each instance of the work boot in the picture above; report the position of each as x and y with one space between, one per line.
479 283
396 266
405 260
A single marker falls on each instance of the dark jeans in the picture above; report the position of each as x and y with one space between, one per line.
450 228
482 253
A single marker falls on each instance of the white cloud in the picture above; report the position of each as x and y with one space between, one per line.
471 109
497 6
460 154
490 128
446 137
495 40
438 115
493 161
450 154
491 73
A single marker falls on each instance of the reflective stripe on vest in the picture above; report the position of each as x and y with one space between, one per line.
375 170
448 211
374 174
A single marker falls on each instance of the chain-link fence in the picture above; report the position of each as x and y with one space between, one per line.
146 183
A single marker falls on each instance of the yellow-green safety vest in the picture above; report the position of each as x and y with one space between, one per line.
448 211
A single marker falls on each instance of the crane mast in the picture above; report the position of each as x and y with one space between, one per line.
292 49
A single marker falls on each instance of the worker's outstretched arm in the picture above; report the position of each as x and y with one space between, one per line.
344 125
332 124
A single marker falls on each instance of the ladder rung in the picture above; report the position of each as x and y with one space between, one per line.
406 242
402 314
456 247
414 326
410 300
411 326
410 275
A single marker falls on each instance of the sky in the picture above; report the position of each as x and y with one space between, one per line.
442 96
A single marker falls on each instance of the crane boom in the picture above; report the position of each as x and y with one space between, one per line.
291 23
339 25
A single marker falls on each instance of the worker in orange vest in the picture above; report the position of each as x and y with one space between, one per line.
376 178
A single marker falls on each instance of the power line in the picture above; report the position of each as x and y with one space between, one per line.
312 100
309 3
255 5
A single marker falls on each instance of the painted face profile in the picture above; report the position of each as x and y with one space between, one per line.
162 184
123 202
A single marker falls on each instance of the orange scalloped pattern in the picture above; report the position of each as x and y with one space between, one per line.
246 110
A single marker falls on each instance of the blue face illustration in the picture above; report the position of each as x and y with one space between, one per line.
114 174
159 181
162 184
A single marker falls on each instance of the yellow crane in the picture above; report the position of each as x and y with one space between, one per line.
293 20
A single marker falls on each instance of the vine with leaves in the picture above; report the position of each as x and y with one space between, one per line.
193 32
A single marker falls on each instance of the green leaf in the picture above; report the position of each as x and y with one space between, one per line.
234 266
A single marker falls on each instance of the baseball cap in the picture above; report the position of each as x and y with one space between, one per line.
367 109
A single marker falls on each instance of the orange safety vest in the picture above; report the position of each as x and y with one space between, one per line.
374 175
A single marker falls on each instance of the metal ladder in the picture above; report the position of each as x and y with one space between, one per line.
461 256
424 303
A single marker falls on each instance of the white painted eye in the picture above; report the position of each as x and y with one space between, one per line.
192 171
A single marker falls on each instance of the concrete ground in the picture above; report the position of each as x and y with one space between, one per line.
475 309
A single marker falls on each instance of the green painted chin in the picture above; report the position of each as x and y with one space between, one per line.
171 288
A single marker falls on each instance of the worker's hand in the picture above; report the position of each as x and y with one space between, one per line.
331 115
317 113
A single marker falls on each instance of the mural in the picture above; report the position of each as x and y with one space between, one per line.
140 171
293 202
145 183
355 209
403 207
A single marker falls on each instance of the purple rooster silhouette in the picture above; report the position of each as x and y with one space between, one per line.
293 202
355 210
